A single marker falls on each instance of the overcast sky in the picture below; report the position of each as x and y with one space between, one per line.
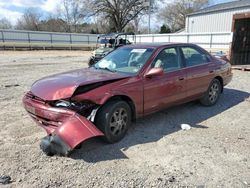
13 9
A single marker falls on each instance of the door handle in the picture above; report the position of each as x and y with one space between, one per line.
181 78
211 71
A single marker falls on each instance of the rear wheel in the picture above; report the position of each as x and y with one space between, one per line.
113 119
213 93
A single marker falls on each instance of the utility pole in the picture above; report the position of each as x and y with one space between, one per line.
148 3
149 16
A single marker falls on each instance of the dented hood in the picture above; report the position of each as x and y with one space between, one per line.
61 86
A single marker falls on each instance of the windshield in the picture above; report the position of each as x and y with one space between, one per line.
126 60
104 41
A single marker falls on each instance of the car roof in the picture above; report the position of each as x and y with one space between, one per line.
158 45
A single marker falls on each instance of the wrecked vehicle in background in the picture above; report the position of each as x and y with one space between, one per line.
131 82
107 43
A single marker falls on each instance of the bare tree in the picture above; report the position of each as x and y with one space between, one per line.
119 13
136 22
175 13
53 25
73 12
29 21
5 24
101 25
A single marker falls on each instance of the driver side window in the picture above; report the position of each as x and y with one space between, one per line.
168 59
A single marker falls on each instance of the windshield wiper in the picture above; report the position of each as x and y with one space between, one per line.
106 68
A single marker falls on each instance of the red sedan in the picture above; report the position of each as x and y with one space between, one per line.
131 82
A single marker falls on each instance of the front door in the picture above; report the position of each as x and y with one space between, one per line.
164 90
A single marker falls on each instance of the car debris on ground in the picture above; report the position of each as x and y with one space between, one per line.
185 126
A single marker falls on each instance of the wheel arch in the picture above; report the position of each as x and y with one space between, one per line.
221 81
125 98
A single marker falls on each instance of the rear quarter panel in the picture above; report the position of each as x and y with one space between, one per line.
224 70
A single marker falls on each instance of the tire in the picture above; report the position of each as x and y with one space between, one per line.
113 119
212 94
91 61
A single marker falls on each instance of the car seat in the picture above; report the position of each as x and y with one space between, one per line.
159 63
195 59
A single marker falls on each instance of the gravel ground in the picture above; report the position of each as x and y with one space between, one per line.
155 153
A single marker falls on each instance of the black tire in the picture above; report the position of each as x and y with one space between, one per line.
212 94
113 119
91 61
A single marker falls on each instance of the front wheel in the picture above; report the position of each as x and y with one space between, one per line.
113 119
213 93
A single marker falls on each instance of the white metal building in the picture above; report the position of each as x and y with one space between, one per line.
217 18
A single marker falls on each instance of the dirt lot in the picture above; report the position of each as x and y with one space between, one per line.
155 153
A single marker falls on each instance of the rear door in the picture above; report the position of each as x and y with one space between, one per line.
199 69
164 90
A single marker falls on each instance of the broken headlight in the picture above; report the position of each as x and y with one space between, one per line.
62 103
73 105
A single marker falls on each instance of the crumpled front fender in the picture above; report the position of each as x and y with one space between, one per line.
77 129
65 128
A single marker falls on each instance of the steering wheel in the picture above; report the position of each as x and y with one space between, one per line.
135 64
132 63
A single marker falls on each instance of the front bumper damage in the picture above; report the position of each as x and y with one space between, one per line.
66 129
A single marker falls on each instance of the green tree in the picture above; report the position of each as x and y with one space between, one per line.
165 29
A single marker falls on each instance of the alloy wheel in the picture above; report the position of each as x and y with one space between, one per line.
214 92
118 121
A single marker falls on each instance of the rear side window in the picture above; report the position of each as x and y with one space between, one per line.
194 57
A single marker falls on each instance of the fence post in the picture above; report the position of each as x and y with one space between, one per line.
29 37
153 38
168 38
3 39
70 38
2 36
211 40
88 39
188 38
51 40
29 40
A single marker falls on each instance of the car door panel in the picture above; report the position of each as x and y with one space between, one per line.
167 89
199 70
198 79
163 91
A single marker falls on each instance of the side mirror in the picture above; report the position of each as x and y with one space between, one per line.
154 72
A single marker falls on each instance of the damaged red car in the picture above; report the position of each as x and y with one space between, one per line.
131 82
